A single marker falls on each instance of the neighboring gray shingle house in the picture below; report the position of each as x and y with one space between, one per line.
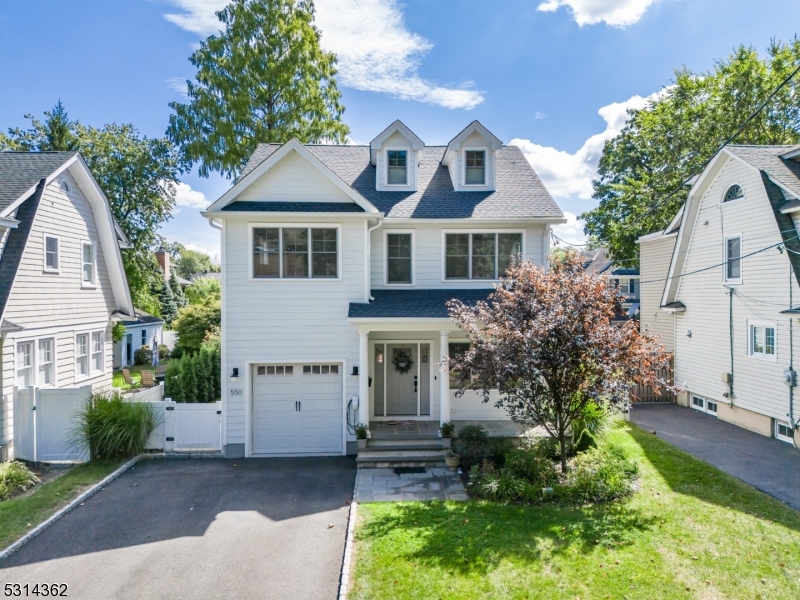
731 289
62 284
337 261
626 279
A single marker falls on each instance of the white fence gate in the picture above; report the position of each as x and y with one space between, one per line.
184 426
44 420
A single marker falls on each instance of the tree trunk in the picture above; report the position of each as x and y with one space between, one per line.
562 440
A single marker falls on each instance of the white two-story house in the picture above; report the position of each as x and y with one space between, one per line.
731 288
62 283
337 264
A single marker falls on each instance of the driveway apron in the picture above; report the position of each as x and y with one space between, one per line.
247 528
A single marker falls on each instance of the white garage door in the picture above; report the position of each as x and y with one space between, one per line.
297 408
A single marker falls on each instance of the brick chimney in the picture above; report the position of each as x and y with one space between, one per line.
163 260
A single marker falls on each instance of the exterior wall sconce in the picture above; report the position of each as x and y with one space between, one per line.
355 371
689 333
235 374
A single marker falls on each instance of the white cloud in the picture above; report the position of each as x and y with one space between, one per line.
377 53
570 175
571 231
619 13
178 84
186 196
212 251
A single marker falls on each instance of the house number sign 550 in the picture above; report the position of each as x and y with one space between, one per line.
236 391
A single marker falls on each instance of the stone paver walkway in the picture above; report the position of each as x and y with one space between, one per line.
384 485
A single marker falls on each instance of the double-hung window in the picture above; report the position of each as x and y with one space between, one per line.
475 169
762 340
82 355
97 352
398 258
144 337
397 167
295 252
51 254
89 258
733 258
24 364
480 255
44 359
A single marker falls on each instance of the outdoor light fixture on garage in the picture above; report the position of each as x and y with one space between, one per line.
355 371
235 374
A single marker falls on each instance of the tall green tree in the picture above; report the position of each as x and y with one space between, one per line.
666 142
139 175
188 378
265 78
177 291
188 262
166 301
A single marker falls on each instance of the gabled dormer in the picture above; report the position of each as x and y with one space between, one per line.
396 153
470 157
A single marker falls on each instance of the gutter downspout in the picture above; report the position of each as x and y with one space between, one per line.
368 257
792 422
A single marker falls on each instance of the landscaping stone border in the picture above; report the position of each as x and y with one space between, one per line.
5 553
347 558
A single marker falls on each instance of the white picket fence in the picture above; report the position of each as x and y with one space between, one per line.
44 420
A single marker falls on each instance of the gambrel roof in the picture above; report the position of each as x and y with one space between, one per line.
519 194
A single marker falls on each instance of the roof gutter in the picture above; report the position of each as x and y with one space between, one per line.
8 223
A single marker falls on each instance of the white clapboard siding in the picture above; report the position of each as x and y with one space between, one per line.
477 141
654 258
428 253
765 289
397 141
293 179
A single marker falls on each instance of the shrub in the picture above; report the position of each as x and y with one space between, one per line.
143 356
163 352
532 465
172 381
598 475
588 428
188 378
447 430
109 427
501 486
194 322
14 476
472 445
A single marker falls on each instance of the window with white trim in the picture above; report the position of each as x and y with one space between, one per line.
762 340
398 258
480 255
475 167
733 193
397 167
784 432
24 364
144 337
97 352
704 405
295 252
82 355
51 258
733 258
89 259
45 364
65 186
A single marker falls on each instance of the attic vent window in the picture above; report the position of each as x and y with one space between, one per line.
65 186
734 193
475 173
396 169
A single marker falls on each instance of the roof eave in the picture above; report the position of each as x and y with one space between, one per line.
284 215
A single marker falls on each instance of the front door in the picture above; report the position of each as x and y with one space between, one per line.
406 374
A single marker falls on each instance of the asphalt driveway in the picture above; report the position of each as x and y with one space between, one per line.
765 463
246 528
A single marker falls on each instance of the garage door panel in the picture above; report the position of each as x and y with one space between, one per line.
280 428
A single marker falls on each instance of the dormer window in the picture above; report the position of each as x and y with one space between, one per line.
734 193
475 170
397 171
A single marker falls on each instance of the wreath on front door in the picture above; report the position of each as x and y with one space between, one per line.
402 360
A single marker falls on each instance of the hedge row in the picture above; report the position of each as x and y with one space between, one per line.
195 377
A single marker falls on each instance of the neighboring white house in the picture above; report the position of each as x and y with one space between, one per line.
625 279
732 286
62 284
140 331
337 262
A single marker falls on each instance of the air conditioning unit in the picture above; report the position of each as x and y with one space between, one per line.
790 377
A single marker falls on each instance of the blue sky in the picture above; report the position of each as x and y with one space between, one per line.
553 76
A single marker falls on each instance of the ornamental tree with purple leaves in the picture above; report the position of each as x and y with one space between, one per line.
545 340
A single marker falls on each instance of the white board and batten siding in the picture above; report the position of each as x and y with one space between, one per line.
763 292
55 305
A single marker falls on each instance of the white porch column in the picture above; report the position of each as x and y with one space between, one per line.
363 378
444 379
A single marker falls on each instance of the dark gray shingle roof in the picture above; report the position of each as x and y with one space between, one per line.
20 171
321 207
767 159
414 303
520 192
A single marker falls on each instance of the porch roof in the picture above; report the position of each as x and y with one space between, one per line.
414 304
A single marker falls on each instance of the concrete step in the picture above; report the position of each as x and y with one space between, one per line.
432 446
406 437
409 443
400 457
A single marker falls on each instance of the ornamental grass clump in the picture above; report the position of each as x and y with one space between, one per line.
112 428
15 476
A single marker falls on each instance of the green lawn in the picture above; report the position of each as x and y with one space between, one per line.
19 515
690 531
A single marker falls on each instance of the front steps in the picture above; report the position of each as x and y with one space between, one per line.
400 451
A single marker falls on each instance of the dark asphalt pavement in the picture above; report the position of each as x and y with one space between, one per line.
765 463
245 528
